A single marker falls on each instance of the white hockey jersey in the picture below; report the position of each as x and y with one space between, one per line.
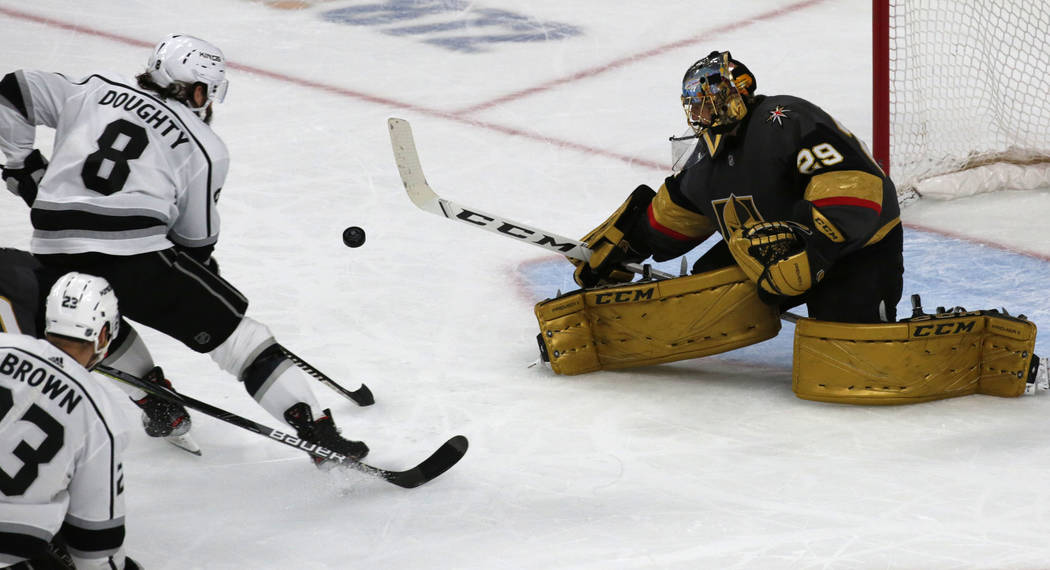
130 173
61 439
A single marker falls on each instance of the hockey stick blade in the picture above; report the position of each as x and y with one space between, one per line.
440 461
423 196
362 396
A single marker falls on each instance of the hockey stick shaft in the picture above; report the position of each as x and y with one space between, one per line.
440 461
215 412
423 196
362 396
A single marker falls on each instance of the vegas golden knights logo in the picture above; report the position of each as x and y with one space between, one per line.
745 210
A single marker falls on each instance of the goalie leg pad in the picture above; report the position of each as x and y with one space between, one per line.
650 322
927 358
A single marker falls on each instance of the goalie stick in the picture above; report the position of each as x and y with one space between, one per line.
440 461
424 197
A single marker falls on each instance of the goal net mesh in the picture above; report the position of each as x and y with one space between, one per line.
969 95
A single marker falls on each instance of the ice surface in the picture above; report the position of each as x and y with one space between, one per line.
710 463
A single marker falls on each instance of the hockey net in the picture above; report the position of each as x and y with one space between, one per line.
962 95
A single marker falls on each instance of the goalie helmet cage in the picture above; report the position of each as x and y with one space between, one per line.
961 99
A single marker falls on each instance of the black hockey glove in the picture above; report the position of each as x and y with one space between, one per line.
611 243
606 265
23 182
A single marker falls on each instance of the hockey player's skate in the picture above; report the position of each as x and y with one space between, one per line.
1039 381
160 417
323 432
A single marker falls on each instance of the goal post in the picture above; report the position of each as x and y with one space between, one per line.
961 101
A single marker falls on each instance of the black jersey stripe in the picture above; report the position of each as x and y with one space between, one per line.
63 220
93 541
22 545
98 412
11 89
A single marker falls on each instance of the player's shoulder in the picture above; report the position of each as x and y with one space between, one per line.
97 87
200 132
25 343
788 107
97 80
59 85
65 387
36 353
39 353
795 115
26 358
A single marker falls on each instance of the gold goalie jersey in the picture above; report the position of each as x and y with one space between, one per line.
788 161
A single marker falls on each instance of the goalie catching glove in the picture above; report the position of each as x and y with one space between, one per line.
610 243
773 254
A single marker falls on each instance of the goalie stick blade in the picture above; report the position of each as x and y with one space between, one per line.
440 461
408 166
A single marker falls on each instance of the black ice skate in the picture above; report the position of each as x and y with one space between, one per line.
160 417
1038 376
323 432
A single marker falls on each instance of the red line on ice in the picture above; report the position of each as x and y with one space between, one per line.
461 115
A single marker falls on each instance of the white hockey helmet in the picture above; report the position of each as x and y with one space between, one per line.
79 306
188 60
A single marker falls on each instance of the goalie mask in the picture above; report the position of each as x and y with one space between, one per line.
186 61
714 91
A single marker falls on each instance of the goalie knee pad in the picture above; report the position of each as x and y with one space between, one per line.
650 322
926 358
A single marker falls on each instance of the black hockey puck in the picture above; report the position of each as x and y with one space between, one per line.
353 236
